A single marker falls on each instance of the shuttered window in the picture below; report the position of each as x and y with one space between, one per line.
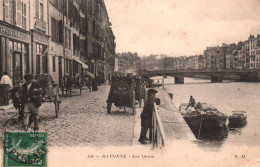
41 11
24 16
60 35
66 37
18 13
69 38
53 29
11 11
57 30
37 9
6 10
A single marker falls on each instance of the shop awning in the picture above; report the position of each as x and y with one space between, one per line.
80 62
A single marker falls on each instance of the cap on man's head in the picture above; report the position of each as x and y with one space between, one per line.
28 77
152 91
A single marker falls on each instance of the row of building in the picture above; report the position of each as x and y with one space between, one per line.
128 62
58 37
243 55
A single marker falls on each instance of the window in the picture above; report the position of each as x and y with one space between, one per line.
38 68
66 66
19 8
56 30
69 39
8 11
66 38
37 9
53 64
53 29
24 15
60 30
44 63
41 59
41 11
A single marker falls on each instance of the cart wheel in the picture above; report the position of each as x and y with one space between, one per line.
80 89
57 106
109 105
133 103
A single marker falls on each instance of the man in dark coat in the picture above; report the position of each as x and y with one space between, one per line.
147 116
31 99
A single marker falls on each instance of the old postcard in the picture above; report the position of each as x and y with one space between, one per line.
129 83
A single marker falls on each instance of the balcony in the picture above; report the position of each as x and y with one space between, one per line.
40 24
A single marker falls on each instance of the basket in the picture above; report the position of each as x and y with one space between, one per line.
52 91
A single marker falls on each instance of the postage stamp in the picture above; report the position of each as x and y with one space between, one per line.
25 149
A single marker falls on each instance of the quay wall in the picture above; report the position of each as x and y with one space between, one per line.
174 125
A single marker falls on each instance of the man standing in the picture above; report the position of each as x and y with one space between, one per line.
6 79
31 99
8 85
109 79
147 116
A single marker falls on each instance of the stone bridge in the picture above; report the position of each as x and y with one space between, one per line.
214 75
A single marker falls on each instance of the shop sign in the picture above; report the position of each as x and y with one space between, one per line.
12 33
40 38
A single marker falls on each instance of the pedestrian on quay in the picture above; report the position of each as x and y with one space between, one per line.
147 115
94 84
5 79
109 79
31 100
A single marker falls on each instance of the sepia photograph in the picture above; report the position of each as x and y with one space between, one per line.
129 83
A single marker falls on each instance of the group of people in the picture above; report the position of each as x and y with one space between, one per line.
28 100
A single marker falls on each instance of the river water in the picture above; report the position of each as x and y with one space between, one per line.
226 97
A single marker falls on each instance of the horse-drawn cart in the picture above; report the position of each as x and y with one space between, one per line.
122 94
70 82
50 93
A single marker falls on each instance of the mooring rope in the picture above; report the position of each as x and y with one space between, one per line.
200 126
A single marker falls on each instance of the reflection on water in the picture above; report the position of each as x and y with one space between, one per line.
235 126
226 97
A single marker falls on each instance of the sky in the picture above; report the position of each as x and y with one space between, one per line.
181 27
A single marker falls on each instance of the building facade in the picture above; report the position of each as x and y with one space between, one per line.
58 37
15 43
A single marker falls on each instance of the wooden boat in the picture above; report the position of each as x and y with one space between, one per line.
237 118
206 117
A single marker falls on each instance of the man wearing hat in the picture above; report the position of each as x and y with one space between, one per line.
31 100
147 116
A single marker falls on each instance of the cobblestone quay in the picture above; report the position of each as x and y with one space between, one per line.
83 121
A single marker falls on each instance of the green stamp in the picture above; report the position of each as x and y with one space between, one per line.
25 149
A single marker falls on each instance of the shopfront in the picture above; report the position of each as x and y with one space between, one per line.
14 52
